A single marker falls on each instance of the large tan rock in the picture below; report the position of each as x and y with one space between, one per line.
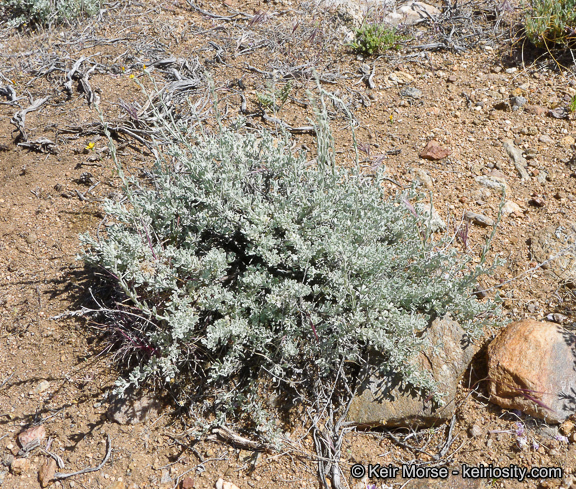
531 368
381 402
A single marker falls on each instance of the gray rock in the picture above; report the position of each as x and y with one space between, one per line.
434 221
529 131
519 161
531 368
42 387
412 13
349 12
559 113
549 432
511 207
518 101
131 410
545 139
542 176
411 92
554 248
381 402
7 460
556 317
496 183
165 479
422 178
479 219
475 431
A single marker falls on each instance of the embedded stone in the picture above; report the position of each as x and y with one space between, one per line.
479 219
47 471
553 248
32 434
132 410
434 151
381 402
531 368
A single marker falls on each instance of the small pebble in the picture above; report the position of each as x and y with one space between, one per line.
475 431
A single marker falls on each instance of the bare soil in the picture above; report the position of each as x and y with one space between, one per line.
55 372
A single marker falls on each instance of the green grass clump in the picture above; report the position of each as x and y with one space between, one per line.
551 23
375 38
572 106
45 13
238 260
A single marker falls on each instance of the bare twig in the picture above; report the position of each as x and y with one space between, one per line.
60 476
41 145
288 127
7 380
229 436
216 16
19 119
70 74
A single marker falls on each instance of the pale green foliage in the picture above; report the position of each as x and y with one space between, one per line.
243 259
572 106
550 22
46 12
275 99
375 38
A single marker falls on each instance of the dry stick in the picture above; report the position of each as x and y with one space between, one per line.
91 96
82 196
60 476
56 457
19 118
42 145
70 74
9 93
229 436
189 447
211 15
7 379
288 127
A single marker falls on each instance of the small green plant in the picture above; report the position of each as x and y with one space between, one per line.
375 38
572 106
19 13
275 99
551 22
238 261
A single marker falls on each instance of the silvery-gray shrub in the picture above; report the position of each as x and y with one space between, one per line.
242 258
46 12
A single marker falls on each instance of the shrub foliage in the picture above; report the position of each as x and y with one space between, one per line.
46 12
375 38
551 22
242 259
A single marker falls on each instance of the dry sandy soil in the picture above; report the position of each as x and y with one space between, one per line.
51 372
